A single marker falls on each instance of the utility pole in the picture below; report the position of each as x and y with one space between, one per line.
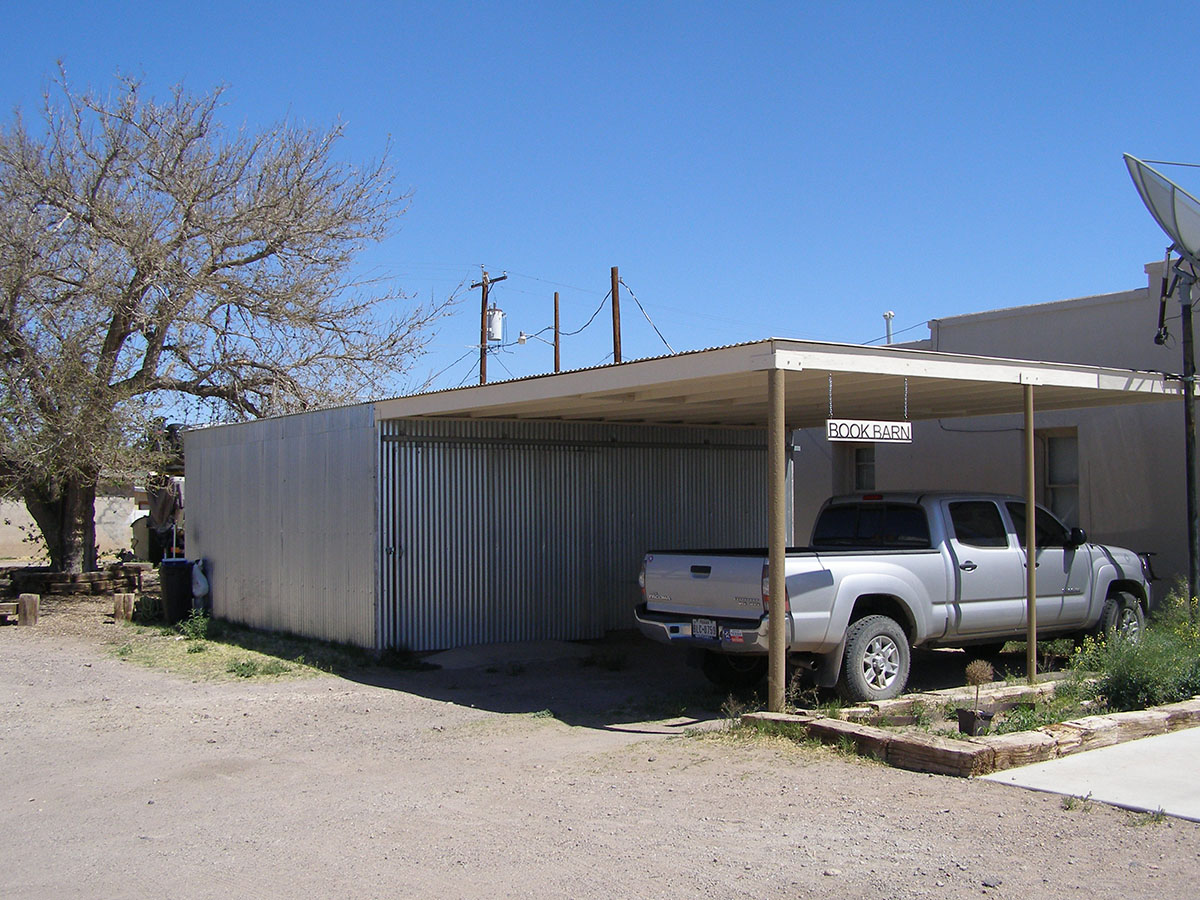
483 330
557 361
616 306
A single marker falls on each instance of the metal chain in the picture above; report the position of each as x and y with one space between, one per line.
831 395
905 398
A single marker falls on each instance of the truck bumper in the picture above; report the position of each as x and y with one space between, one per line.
733 635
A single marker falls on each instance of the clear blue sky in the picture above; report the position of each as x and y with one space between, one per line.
754 169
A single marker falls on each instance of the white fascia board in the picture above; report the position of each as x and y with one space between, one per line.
956 367
627 377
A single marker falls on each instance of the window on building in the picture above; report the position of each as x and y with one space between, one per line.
1062 477
864 468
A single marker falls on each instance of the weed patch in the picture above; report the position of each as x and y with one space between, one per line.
1162 667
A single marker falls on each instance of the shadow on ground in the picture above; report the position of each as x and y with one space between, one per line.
624 680
615 682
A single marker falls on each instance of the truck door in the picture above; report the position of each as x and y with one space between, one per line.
1064 572
988 571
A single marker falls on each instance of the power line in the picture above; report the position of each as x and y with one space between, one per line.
894 333
589 321
647 315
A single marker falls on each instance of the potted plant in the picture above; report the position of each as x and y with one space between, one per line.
976 721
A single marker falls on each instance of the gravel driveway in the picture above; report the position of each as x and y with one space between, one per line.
121 781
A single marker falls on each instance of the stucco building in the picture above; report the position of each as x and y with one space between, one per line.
1118 472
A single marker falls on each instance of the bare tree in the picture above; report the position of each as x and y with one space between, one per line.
147 254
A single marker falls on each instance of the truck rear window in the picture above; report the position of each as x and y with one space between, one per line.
872 526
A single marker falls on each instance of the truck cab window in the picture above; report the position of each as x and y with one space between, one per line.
881 526
1049 531
978 524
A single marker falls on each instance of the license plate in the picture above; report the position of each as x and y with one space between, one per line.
704 628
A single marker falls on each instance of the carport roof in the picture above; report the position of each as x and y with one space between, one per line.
728 386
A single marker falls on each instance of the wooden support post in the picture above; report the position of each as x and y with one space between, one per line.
27 609
777 546
123 607
1030 542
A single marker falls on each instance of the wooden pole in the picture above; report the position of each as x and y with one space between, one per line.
616 309
1030 542
557 360
27 609
777 543
483 335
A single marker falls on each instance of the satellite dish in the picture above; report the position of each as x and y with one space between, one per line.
1178 214
1176 211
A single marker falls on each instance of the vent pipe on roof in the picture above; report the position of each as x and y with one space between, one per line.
887 321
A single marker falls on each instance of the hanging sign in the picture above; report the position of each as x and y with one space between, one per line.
869 431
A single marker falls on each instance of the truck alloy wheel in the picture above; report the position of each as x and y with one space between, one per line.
1122 616
876 663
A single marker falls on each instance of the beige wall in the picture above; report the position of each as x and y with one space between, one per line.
114 515
1130 458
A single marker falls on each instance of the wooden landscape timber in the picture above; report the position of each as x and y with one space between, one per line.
983 755
25 608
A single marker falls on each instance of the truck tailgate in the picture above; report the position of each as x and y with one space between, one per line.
707 585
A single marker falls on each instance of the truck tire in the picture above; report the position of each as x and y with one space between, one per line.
732 671
876 662
1122 615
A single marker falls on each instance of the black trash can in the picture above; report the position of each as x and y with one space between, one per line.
175 577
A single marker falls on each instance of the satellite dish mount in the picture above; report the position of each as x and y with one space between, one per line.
1178 214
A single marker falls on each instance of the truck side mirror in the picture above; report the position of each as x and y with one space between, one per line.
1077 537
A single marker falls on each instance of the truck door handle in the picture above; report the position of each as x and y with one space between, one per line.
703 571
968 566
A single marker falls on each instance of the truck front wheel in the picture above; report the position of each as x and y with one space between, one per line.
732 671
875 665
1122 616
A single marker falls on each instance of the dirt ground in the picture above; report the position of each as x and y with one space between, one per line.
548 779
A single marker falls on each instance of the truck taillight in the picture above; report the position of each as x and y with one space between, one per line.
766 591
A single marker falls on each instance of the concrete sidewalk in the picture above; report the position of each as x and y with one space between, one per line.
1147 775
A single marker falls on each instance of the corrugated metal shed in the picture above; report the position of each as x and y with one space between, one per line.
284 511
506 531
520 509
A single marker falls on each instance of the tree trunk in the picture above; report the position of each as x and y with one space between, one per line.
66 514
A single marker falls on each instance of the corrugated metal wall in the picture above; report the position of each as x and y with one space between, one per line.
284 510
505 531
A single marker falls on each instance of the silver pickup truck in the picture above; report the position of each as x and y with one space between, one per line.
884 573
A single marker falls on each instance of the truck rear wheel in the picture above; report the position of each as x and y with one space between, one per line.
733 671
876 662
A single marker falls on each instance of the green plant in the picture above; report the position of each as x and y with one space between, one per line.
1083 804
1137 820
195 626
197 647
542 714
732 708
124 650
920 713
1162 667
846 746
243 668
